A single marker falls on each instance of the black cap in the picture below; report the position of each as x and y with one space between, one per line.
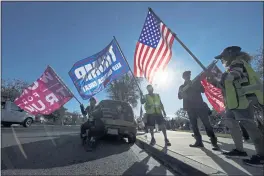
149 86
92 99
231 50
186 73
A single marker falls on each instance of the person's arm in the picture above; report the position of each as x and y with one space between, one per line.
162 108
84 113
212 80
142 99
180 92
201 88
236 69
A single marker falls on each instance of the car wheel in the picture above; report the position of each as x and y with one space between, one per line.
132 138
7 124
27 123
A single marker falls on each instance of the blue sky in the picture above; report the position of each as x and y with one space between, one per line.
37 34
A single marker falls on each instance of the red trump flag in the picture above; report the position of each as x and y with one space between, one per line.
212 93
45 95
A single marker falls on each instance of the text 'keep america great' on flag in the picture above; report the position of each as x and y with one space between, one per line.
153 49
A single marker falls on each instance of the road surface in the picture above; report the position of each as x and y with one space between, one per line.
56 150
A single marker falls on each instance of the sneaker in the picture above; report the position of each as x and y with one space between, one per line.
247 141
216 147
235 154
153 141
167 142
246 138
214 144
255 160
197 145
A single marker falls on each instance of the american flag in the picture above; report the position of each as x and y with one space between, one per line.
153 49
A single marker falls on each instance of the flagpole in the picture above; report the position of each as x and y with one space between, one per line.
182 44
209 67
64 83
127 63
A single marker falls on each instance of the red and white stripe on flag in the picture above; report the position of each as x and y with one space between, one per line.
214 94
153 49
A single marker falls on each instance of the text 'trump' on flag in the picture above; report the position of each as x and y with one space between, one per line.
153 49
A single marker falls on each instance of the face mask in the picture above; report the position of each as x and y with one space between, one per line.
224 62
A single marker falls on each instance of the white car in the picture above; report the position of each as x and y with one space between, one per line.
12 114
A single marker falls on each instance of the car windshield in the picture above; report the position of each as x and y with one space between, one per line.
118 107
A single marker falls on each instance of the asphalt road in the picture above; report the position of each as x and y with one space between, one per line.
55 150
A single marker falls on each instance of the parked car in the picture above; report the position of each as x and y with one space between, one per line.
12 114
118 119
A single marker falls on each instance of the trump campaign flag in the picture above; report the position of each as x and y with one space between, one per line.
45 95
153 49
212 93
92 74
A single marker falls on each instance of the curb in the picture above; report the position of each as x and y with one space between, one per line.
177 163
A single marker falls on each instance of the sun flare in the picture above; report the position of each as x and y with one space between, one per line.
161 79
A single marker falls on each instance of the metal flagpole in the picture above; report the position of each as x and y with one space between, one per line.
64 83
127 63
182 44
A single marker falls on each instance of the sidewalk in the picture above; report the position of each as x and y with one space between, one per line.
211 160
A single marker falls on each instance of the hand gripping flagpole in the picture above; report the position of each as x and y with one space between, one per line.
182 44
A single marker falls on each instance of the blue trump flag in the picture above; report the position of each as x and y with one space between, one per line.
92 74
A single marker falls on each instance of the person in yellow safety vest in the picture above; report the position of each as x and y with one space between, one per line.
242 90
154 109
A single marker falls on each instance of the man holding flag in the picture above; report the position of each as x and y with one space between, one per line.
87 112
194 105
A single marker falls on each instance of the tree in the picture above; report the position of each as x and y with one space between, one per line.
181 113
57 115
125 89
257 62
11 89
181 118
75 115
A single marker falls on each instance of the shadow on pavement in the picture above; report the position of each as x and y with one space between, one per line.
228 168
142 167
63 151
229 147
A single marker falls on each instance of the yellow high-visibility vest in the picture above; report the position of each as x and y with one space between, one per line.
236 97
153 105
